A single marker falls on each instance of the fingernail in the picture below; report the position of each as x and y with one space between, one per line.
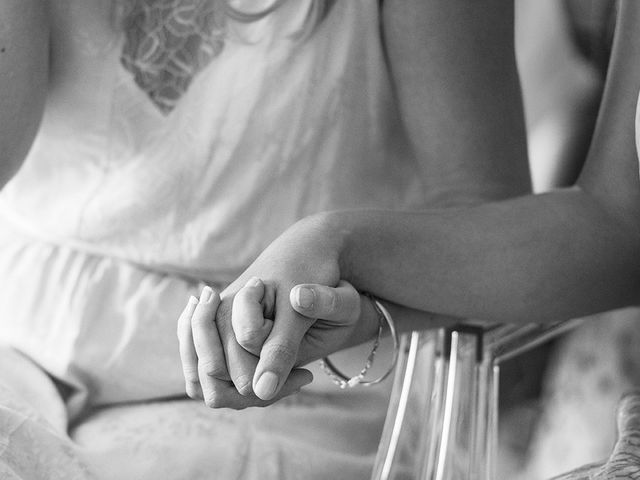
206 295
253 282
266 386
193 300
243 385
304 297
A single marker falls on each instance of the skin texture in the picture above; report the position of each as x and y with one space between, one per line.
535 258
441 54
548 257
24 50
23 74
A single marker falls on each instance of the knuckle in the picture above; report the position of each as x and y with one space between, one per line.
282 353
249 338
213 400
212 368
218 399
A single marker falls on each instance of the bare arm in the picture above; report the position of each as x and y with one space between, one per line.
454 72
452 63
24 52
536 258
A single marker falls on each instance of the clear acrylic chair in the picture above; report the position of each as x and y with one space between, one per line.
442 417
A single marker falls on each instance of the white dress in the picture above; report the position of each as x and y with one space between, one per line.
122 210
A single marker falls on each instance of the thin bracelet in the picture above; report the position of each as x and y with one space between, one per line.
344 381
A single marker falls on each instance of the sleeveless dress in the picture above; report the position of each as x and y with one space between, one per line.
123 209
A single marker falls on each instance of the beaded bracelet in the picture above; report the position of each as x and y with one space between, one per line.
344 381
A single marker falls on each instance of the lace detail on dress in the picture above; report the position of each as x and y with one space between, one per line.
168 41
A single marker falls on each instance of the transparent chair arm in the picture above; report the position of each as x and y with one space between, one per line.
443 412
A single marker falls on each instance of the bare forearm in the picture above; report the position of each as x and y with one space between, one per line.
536 258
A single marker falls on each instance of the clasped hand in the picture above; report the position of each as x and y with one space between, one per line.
245 346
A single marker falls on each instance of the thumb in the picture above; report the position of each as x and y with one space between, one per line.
318 301
280 351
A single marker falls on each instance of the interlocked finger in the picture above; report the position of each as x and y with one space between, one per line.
280 351
211 360
188 356
225 395
250 326
240 363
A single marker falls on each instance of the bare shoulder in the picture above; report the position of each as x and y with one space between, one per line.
24 60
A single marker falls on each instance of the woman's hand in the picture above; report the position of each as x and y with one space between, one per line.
305 253
333 311
203 360
248 350
297 311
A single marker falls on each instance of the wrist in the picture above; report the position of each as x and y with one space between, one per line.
332 230
351 233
